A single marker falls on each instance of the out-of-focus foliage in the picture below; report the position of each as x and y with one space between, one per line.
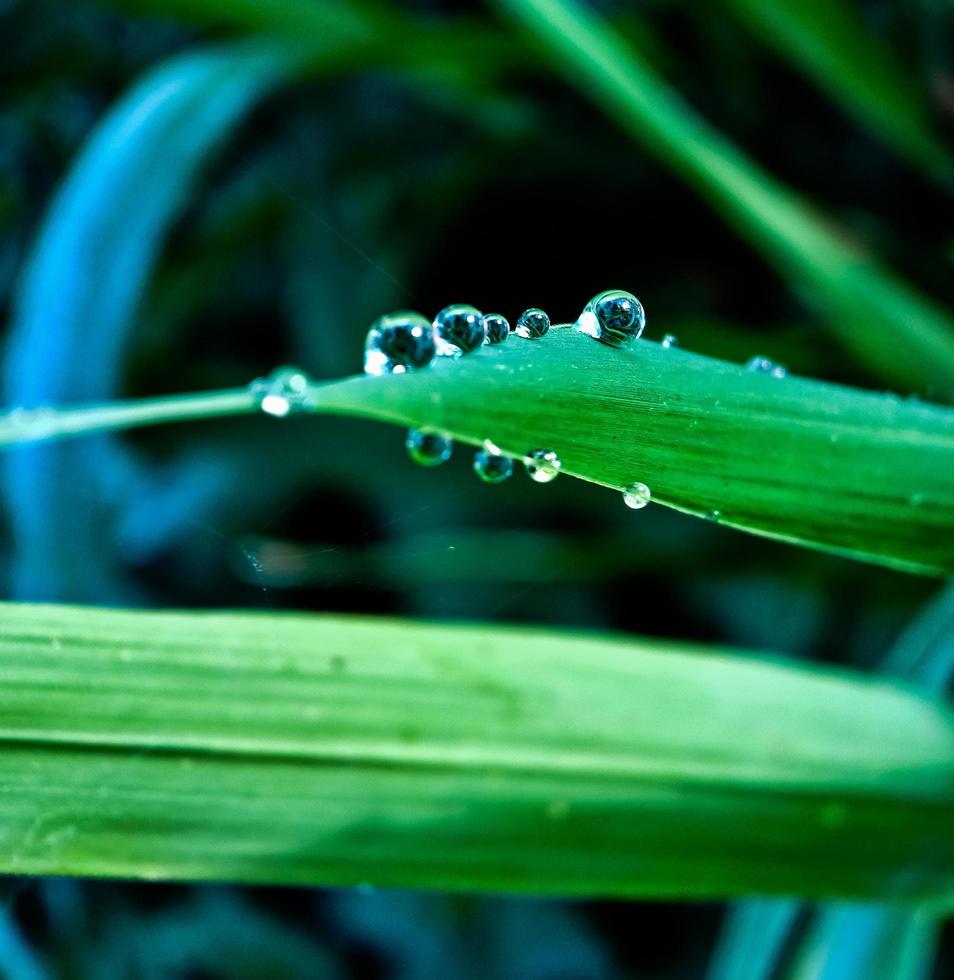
441 158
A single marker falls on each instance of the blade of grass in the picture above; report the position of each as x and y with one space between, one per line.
859 474
329 750
868 942
830 41
849 942
78 295
335 35
882 320
752 938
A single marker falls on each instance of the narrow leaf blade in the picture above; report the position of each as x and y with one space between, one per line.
866 475
327 750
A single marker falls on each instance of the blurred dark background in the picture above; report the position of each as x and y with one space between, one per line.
341 198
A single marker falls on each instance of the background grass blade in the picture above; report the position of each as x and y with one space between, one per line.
751 942
845 941
81 289
830 41
885 322
336 751
868 942
864 475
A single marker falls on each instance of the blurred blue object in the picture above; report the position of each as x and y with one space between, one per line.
77 303
17 961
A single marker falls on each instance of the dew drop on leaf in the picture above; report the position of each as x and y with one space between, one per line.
399 342
532 324
763 365
491 467
542 465
460 330
670 340
283 392
428 448
636 496
496 327
614 317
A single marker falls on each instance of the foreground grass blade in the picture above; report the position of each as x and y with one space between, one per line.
830 41
328 750
871 476
866 475
882 320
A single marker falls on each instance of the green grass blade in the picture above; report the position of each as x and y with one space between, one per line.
331 750
849 942
870 476
867 475
335 36
885 322
830 41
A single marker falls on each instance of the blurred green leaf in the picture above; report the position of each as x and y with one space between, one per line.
300 749
830 41
885 322
333 36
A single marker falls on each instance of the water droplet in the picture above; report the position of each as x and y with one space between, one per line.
399 342
543 465
637 495
763 365
428 448
670 340
30 423
614 317
497 328
714 515
491 467
460 329
283 392
532 324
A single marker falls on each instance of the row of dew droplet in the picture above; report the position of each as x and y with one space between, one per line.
406 341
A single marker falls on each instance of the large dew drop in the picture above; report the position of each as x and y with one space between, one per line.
496 327
428 448
491 467
399 342
542 465
460 330
614 317
532 324
636 496
283 392
762 365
